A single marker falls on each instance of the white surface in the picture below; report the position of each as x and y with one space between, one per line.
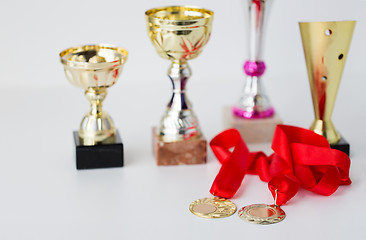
44 197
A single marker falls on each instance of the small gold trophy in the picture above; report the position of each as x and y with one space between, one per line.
95 68
326 47
179 34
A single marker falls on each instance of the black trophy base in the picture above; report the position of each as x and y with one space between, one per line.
104 155
343 146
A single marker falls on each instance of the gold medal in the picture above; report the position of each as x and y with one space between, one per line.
212 207
262 214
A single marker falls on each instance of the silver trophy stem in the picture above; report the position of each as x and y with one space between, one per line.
253 102
256 23
179 122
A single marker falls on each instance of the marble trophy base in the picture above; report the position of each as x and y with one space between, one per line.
192 151
104 155
252 130
342 145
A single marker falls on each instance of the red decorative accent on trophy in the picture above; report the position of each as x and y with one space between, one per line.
301 158
191 48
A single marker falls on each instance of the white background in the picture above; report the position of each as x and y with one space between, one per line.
44 197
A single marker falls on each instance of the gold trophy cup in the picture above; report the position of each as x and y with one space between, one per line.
326 47
95 68
179 34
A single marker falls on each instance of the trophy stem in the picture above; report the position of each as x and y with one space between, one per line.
326 129
179 74
179 122
97 126
253 102
96 97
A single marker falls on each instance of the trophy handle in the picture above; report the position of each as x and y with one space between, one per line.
97 126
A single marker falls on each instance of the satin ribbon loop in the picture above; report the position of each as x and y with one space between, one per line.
234 163
301 158
286 187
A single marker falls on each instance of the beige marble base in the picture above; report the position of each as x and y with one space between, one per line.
252 130
179 153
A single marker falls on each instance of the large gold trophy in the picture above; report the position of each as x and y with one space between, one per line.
326 47
179 34
95 68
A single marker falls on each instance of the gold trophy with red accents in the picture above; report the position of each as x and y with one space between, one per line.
179 34
326 46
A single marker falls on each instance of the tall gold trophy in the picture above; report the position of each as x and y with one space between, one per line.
179 34
95 68
326 47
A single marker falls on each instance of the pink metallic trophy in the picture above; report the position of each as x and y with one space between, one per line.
253 114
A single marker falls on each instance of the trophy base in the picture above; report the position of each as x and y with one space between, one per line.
105 155
256 130
192 151
342 145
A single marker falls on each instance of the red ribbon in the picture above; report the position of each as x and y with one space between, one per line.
301 158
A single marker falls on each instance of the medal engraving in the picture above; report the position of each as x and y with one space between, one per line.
212 207
262 214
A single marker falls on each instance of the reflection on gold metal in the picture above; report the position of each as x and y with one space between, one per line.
212 207
262 214
326 47
179 33
94 68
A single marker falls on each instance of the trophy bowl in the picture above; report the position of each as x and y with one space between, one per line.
179 34
94 68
